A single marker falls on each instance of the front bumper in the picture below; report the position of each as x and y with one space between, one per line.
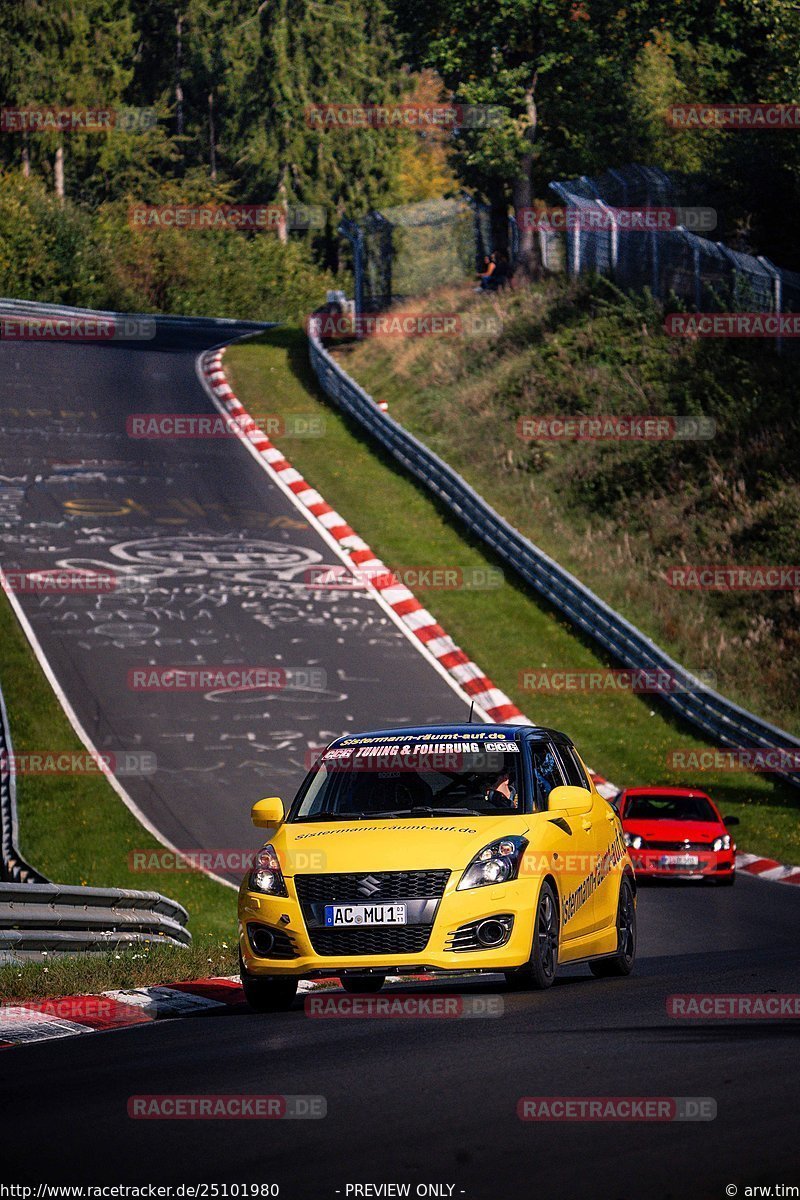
675 864
455 910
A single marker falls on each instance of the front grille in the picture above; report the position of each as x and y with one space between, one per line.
378 939
391 885
688 847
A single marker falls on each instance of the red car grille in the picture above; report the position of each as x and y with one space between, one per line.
688 847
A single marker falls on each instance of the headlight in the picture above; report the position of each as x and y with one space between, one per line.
633 840
266 875
723 843
496 863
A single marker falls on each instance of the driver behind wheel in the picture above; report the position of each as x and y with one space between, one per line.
502 792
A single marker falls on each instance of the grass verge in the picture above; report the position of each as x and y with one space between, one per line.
507 630
143 966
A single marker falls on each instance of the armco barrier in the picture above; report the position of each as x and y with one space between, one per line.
723 722
49 916
13 867
36 915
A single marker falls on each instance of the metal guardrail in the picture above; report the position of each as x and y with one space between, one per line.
36 915
722 721
13 867
34 308
49 916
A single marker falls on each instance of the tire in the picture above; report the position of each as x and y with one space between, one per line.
726 880
540 971
621 963
362 983
267 993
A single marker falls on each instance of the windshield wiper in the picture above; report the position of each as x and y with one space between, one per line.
429 812
329 816
423 810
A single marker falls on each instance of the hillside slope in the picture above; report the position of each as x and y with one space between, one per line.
620 514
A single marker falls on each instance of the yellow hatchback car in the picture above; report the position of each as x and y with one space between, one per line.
436 849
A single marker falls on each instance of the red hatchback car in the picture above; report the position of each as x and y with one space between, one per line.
677 832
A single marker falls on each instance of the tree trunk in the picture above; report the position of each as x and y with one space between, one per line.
59 173
212 137
26 157
283 231
528 258
178 71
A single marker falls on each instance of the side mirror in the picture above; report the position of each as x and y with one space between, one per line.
569 800
731 821
267 812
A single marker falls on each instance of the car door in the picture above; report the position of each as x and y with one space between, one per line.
599 828
564 840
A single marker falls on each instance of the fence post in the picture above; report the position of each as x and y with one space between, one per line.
698 293
777 293
655 280
622 181
731 258
614 241
352 231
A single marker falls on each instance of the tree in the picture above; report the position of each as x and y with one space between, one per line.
72 55
302 53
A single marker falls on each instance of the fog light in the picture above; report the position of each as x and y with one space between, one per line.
491 933
262 939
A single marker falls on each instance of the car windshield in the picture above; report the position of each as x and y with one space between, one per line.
669 808
413 780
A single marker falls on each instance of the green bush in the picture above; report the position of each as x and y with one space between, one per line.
61 253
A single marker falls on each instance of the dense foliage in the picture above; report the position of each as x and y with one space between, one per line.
579 84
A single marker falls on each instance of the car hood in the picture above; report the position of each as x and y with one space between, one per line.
394 844
675 831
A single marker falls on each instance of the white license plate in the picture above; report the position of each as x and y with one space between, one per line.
680 860
365 914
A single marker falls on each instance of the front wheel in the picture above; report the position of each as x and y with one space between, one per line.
622 962
540 970
267 993
362 983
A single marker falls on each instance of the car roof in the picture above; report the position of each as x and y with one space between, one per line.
510 731
664 791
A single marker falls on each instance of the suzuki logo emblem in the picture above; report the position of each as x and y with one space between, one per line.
368 886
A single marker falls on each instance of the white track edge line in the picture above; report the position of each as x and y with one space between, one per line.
75 722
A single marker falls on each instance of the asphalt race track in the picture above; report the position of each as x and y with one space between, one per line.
434 1100
212 566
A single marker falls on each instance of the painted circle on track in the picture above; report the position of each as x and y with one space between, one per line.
216 553
126 631
291 695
